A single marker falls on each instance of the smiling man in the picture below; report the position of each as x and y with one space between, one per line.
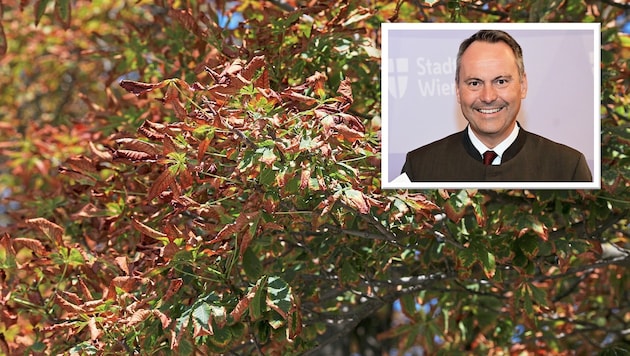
490 83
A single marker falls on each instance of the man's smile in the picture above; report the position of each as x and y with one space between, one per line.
490 111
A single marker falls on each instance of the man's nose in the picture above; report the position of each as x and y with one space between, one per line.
488 94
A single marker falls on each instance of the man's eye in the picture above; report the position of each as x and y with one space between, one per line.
474 83
502 82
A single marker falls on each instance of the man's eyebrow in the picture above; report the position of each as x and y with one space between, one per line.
502 76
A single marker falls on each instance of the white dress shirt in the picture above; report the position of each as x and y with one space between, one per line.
499 149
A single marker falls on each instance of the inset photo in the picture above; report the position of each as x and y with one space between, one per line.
491 106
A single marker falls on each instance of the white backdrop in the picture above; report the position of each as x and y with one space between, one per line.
419 103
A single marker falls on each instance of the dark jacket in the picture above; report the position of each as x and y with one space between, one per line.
531 158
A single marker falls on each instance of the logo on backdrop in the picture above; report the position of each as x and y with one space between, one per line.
398 76
436 78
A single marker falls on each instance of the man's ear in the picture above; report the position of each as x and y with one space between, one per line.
524 86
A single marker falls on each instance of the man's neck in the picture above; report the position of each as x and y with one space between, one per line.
498 148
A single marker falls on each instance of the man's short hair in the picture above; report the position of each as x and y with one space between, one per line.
492 36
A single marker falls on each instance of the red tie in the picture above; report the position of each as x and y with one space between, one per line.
488 157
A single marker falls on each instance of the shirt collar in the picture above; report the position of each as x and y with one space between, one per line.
499 149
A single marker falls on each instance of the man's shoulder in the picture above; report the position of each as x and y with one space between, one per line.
440 145
550 146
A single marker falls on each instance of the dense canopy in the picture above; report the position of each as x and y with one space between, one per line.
203 177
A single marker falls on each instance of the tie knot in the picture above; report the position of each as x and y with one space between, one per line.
488 157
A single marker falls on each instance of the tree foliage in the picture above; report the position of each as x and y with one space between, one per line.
203 177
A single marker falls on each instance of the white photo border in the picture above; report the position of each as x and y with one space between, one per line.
387 181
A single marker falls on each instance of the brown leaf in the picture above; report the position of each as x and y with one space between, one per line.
138 145
168 145
103 155
95 333
187 20
139 88
81 164
305 177
133 155
123 263
201 150
139 316
3 41
51 230
7 244
165 320
67 306
178 108
88 211
299 97
34 245
4 347
173 287
356 200
345 90
151 130
262 83
71 297
243 304
161 183
85 290
146 230
252 67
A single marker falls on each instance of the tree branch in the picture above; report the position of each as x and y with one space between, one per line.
625 6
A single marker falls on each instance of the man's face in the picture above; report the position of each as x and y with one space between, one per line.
489 90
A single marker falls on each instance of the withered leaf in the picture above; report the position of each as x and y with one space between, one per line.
162 182
87 211
34 245
103 155
95 333
243 304
173 287
345 90
67 306
133 155
138 145
50 229
149 231
252 67
356 200
3 41
81 164
139 88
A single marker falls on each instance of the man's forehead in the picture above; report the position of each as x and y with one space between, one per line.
499 50
486 56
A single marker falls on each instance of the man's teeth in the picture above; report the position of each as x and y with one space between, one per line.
489 111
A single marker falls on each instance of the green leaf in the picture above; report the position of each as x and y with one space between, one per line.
3 41
467 257
528 244
409 305
201 317
488 263
257 305
348 273
40 8
252 265
267 176
279 293
221 337
62 7
538 295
